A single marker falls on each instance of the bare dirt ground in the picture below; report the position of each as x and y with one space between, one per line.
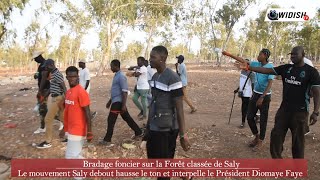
211 90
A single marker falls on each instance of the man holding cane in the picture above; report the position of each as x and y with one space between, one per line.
260 99
297 79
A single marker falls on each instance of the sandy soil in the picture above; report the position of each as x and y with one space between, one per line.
211 90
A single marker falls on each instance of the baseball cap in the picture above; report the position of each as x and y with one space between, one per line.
180 57
36 54
48 62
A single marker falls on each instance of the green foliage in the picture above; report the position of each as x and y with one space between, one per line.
133 51
6 8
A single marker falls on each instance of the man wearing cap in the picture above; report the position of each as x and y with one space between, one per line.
55 102
182 72
84 73
260 99
297 79
43 89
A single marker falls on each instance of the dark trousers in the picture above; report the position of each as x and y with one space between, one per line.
264 110
244 107
296 122
113 114
162 145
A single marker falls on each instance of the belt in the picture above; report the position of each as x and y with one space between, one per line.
55 95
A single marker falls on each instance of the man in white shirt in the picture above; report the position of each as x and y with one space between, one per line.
84 79
142 88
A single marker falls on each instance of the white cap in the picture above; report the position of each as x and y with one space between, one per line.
36 54
82 61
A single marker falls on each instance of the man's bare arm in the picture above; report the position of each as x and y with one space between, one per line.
180 114
240 59
87 84
316 93
44 78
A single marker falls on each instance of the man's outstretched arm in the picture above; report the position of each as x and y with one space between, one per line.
262 70
240 59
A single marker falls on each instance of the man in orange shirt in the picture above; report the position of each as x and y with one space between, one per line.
77 116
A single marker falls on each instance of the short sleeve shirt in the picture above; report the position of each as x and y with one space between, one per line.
119 85
297 82
165 86
182 70
142 82
244 86
84 77
55 81
262 80
74 115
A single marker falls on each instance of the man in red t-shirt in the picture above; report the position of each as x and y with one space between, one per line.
77 116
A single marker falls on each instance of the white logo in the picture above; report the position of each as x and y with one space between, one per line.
285 15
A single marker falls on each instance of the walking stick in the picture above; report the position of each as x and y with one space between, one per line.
234 96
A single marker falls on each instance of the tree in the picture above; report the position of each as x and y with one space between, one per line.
116 15
6 8
133 51
80 23
229 15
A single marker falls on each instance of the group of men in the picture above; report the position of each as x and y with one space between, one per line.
165 120
300 81
52 96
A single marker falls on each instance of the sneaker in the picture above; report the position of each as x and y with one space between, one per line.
193 110
106 143
258 146
43 145
40 130
94 115
140 115
254 142
241 125
137 137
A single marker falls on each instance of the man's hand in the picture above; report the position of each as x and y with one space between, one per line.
108 104
241 66
185 143
260 101
89 136
123 109
62 133
313 119
143 145
61 104
36 75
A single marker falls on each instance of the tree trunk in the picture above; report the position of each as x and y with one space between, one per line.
149 41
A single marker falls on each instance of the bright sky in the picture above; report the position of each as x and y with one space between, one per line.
91 41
